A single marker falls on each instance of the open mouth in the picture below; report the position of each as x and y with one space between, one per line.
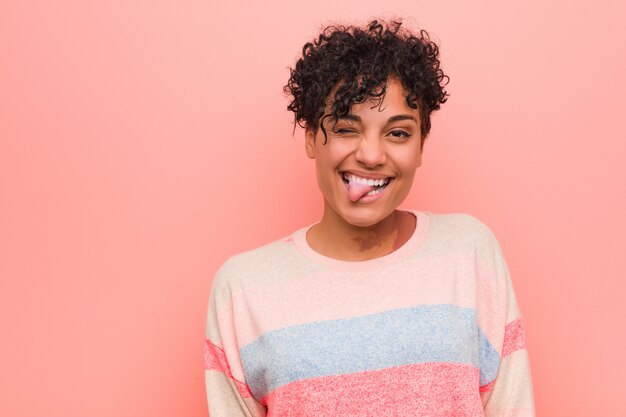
360 187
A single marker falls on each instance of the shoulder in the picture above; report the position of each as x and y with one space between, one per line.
273 261
459 230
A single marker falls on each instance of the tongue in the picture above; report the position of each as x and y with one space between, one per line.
357 190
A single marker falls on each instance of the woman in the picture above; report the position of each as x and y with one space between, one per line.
372 311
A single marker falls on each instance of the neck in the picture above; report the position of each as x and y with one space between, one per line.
335 238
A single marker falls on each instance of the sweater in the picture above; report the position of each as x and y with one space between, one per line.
431 329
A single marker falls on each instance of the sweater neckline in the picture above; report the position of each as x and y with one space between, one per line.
408 248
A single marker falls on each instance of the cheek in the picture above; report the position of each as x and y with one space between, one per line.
409 162
325 172
333 154
340 149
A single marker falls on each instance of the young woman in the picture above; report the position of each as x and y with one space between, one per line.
372 311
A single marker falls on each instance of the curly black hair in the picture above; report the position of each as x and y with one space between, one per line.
356 63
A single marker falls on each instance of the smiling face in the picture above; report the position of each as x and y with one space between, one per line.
366 167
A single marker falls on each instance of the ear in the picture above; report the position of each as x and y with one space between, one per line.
309 142
421 154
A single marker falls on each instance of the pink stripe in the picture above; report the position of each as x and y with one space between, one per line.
488 387
513 337
443 280
429 389
215 359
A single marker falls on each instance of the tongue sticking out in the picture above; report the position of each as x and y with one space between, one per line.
357 190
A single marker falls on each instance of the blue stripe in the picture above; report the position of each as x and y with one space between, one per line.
425 333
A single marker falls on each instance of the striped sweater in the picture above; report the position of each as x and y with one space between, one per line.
432 329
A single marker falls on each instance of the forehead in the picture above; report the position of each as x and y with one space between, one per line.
393 100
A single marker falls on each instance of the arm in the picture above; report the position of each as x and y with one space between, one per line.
228 395
509 391
510 394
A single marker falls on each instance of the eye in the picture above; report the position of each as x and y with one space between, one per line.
399 134
344 131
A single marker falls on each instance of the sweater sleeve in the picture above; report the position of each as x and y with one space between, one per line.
509 391
228 395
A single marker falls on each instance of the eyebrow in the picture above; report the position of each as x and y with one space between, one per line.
392 119
401 117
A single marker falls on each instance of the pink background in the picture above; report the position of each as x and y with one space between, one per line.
144 142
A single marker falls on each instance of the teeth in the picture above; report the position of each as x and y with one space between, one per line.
365 181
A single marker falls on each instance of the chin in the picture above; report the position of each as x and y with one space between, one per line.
363 217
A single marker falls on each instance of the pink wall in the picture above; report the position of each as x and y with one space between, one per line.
141 143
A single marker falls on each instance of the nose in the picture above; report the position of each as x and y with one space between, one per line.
371 152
